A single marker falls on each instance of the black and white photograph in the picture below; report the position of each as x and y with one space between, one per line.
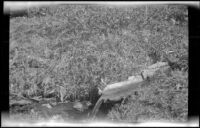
90 62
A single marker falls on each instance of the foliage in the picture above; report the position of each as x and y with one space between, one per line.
73 47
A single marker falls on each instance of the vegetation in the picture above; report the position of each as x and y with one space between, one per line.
64 51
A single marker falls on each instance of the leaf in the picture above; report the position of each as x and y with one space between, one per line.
62 93
20 102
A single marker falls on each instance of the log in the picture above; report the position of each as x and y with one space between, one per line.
123 89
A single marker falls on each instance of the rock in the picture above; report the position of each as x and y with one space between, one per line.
81 106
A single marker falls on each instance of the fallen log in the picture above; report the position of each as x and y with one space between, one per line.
123 89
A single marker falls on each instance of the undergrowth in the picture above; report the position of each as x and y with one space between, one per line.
65 51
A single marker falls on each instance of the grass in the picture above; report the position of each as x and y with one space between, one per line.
75 46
